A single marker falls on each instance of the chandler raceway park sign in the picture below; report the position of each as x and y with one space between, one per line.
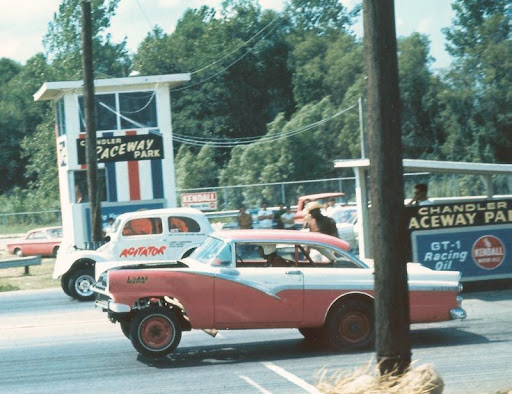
124 148
473 237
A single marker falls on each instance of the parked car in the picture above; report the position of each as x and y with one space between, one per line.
347 224
43 241
245 279
170 234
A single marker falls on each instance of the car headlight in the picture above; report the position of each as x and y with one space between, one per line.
102 282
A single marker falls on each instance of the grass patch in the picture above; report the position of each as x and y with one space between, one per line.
40 276
422 379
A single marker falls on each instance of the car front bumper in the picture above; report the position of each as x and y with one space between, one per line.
458 314
105 302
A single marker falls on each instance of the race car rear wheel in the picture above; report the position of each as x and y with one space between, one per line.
80 283
351 326
312 333
155 332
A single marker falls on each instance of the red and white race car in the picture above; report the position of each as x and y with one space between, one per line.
263 279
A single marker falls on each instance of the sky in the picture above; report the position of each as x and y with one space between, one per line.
22 28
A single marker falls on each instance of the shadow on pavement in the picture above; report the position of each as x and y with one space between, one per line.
298 348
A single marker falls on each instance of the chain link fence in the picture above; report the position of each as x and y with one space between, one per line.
232 197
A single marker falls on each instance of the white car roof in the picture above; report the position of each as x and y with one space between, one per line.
191 212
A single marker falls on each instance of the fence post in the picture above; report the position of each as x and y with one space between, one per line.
283 194
225 194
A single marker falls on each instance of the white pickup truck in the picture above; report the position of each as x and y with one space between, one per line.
156 234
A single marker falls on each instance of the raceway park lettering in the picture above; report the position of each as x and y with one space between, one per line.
465 214
124 148
143 251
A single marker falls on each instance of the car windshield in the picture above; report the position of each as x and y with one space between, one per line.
213 251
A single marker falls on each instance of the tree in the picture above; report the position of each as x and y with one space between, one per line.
422 131
238 61
63 41
36 121
194 171
19 116
478 111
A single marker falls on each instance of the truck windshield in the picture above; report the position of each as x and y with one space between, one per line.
213 251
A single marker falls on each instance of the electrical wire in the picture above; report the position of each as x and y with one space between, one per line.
233 142
236 49
225 68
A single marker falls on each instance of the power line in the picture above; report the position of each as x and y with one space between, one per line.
233 142
227 67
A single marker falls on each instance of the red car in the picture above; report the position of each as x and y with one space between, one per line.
40 241
242 279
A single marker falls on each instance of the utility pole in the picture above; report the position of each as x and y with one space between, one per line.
393 345
361 128
90 123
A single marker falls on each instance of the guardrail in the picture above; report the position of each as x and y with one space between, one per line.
21 262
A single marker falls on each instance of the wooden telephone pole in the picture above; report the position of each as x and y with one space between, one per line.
90 123
386 188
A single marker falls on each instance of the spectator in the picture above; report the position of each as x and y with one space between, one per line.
278 216
288 219
265 216
244 219
320 223
420 195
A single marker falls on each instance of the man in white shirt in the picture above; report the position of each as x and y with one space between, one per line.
265 216
420 195
288 219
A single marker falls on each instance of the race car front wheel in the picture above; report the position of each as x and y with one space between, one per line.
155 332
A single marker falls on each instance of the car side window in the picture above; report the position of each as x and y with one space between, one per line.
143 226
249 255
181 224
319 257
36 235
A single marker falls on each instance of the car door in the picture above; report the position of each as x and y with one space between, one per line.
142 239
184 233
252 295
36 243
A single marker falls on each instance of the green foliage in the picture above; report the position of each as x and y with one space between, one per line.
261 73
63 41
19 115
240 79
478 111
196 170
422 132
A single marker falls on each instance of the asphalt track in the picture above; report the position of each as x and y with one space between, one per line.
51 344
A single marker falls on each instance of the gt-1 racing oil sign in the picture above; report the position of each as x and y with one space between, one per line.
473 237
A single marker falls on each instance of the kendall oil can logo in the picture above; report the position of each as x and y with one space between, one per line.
488 252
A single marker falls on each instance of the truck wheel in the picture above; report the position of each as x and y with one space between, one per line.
64 283
80 282
351 326
312 333
155 332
